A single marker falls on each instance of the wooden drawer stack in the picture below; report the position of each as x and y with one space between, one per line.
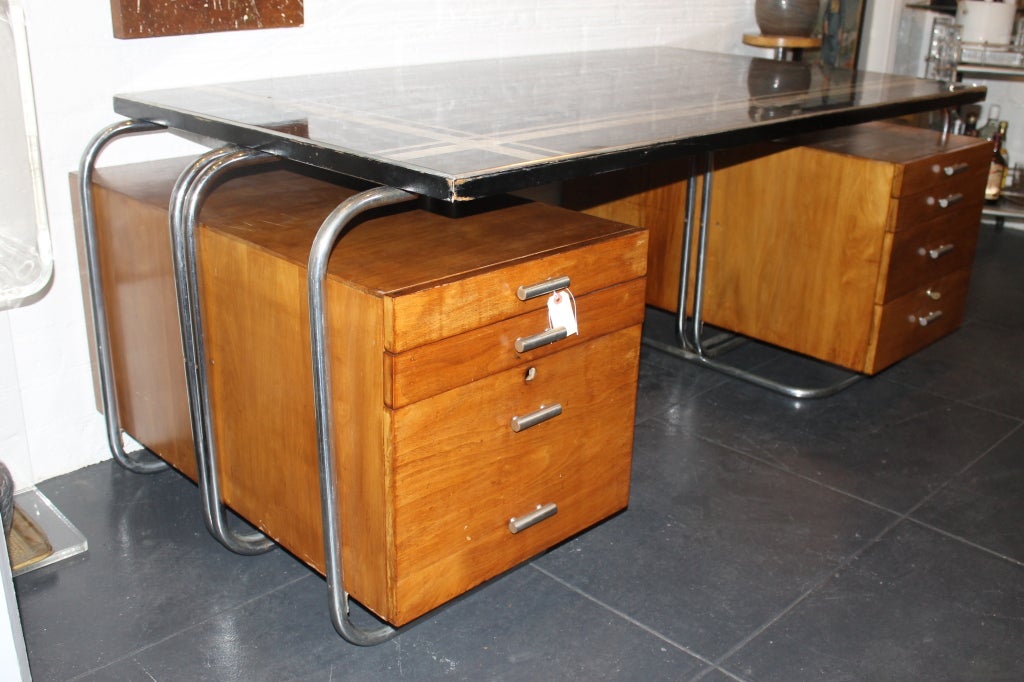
423 315
853 246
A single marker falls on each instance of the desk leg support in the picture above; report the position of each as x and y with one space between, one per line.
328 235
691 345
143 462
187 198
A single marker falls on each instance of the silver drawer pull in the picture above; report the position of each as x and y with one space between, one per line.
528 291
525 343
933 294
534 418
521 523
936 253
945 202
925 320
956 169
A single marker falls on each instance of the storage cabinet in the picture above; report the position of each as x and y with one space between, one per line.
853 246
441 473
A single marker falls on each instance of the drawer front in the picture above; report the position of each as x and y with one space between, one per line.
942 173
959 197
926 252
428 370
915 320
461 473
463 304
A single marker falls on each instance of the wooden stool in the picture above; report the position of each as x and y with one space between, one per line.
783 45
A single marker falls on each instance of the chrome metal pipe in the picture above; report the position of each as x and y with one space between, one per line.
327 236
148 463
190 192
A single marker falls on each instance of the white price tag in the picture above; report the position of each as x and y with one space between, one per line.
562 311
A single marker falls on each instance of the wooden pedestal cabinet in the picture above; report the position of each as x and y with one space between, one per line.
853 246
424 316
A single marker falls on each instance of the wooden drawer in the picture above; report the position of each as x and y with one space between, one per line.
942 170
421 372
926 252
956 198
911 322
451 529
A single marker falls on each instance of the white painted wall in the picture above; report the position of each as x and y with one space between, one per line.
49 425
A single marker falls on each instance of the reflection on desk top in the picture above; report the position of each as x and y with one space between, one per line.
470 129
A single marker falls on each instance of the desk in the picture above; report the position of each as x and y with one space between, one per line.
455 133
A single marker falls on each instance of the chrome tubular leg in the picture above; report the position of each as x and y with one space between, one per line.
702 249
147 463
326 238
187 198
687 255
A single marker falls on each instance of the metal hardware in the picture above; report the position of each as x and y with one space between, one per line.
530 375
528 291
946 202
932 294
925 320
326 237
955 169
518 524
527 343
936 253
534 418
101 331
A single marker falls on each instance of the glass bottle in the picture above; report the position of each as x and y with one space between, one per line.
991 126
998 167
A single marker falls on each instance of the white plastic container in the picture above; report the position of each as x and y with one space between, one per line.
986 21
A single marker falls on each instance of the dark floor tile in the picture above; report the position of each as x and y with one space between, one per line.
713 543
523 626
985 504
979 363
151 570
996 294
882 441
915 606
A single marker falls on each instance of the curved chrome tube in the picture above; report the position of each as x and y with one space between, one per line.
190 192
101 332
326 237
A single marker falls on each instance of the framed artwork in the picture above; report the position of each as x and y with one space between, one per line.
153 18
839 25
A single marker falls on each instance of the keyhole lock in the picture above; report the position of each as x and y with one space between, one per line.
530 374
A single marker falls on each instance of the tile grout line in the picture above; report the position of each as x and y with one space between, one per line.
622 615
193 626
905 517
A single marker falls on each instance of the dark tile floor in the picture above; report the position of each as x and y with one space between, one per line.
876 535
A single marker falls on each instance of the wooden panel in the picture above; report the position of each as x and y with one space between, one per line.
451 528
900 335
145 342
152 18
798 267
435 367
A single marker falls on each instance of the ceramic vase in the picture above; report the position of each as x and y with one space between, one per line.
786 17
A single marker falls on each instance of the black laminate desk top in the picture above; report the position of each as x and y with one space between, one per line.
464 130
